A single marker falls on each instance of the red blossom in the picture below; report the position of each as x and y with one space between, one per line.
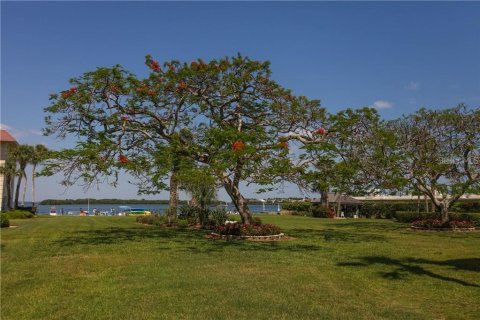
124 118
152 92
321 131
238 145
155 66
182 86
123 159
283 144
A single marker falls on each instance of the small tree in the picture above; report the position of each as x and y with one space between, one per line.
22 155
349 153
440 153
40 154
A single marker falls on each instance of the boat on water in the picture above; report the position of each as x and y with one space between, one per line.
53 211
127 210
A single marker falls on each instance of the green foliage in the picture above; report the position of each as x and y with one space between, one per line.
218 217
152 219
466 206
320 211
410 216
4 221
387 209
19 214
299 206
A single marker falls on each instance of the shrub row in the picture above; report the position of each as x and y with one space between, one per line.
308 209
19 214
437 224
238 229
408 217
4 221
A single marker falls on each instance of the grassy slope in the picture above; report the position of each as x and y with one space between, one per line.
112 268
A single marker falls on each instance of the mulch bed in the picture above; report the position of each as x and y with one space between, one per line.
444 229
276 237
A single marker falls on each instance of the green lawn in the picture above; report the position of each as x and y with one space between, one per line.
113 268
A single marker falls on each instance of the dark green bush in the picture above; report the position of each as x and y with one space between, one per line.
321 211
298 206
257 221
410 216
19 214
151 219
5 222
466 206
384 209
474 217
217 217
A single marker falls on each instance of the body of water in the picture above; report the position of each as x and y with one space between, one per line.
158 208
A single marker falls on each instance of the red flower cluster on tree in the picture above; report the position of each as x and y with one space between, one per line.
70 92
123 159
155 66
152 92
283 144
182 86
238 145
320 131
124 118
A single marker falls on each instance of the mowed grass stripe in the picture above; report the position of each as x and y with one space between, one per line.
111 268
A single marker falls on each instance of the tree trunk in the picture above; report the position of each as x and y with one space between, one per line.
9 182
24 193
426 204
173 202
238 200
33 187
17 191
324 198
444 213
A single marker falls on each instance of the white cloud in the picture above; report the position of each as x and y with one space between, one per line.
382 104
413 86
19 133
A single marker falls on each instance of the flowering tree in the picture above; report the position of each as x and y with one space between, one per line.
246 123
440 153
226 115
350 153
122 123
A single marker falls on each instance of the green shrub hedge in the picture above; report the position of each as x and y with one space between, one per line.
19 214
409 216
299 206
5 222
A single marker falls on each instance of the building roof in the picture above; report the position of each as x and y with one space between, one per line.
6 137
344 199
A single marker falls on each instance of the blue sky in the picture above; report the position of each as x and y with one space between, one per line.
396 56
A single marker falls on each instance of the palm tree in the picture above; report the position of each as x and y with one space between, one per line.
40 153
9 171
23 155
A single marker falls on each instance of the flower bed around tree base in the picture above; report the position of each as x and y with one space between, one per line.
275 237
443 229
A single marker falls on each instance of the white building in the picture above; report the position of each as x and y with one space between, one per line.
6 143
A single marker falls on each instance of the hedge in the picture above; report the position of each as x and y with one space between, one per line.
410 216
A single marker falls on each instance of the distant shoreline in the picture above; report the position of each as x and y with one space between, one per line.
56 202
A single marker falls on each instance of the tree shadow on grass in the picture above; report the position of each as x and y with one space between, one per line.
119 235
193 241
337 235
404 267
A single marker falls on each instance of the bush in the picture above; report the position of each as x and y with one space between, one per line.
466 206
437 224
217 217
320 211
151 219
474 217
19 214
239 229
410 216
256 220
5 222
299 206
